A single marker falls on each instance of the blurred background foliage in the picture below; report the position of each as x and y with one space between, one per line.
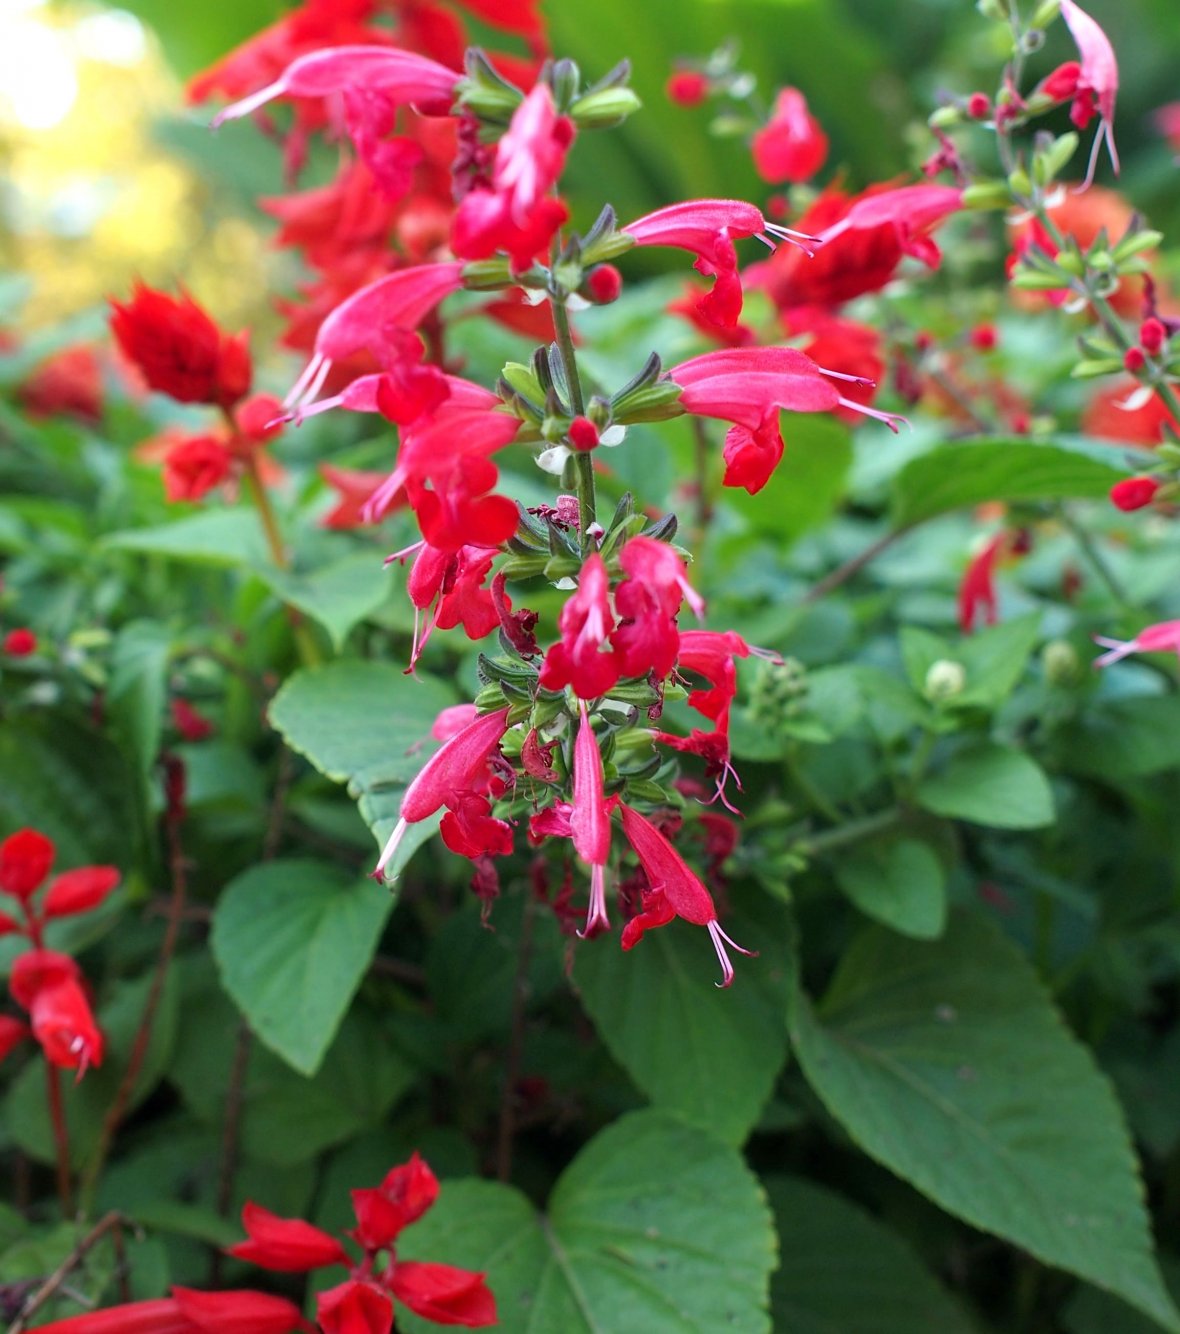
108 175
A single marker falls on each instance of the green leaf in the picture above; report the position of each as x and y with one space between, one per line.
338 596
809 482
842 1271
653 1226
900 883
953 476
138 689
360 1078
712 1056
368 725
229 537
292 941
992 785
1124 738
996 659
948 1064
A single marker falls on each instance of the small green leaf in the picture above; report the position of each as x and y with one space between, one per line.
292 940
990 784
653 1226
953 476
338 596
711 1056
138 689
900 883
842 1272
948 1064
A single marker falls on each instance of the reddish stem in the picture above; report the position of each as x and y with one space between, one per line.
61 1137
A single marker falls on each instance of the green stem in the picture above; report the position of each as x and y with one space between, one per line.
1090 550
583 459
851 832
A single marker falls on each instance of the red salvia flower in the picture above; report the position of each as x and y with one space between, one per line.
179 349
913 211
25 859
190 1312
674 891
590 820
1163 637
443 1294
69 384
47 984
287 1244
581 658
196 466
792 145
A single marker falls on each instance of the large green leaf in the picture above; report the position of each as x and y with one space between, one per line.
292 940
368 725
711 1056
992 785
653 1226
338 596
842 1272
230 537
956 475
948 1063
1125 738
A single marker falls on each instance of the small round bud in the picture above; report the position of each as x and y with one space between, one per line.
944 680
604 284
583 434
1134 360
1134 493
923 341
1152 336
687 87
978 106
983 337
19 643
1060 663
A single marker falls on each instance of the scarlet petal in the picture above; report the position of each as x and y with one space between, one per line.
64 1025
446 1295
12 1033
286 1244
79 890
240 1312
354 1308
162 1316
25 859
36 969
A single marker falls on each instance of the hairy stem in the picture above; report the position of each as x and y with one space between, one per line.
583 459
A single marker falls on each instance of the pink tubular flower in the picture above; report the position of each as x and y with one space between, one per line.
748 386
580 658
454 768
366 320
1097 83
977 588
674 891
708 228
914 210
792 145
1163 637
648 602
398 77
590 821
354 1308
517 215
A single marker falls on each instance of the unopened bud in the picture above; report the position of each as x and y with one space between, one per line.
1134 361
583 434
993 9
1019 182
944 680
1060 663
978 106
687 87
987 194
1152 336
605 108
603 284
1134 493
945 118
1046 13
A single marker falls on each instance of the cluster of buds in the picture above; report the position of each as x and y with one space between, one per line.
179 351
47 984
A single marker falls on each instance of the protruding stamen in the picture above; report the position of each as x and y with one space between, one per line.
718 937
597 920
388 852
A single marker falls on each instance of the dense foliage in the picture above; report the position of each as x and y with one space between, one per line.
711 845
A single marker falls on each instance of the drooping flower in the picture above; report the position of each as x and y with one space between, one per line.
708 228
674 891
792 145
590 820
647 602
1097 82
977 588
48 985
451 770
179 349
1163 637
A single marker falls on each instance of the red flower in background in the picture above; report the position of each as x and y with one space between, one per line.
68 384
179 350
792 145
19 643
190 1312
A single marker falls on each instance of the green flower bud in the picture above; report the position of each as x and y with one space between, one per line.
944 680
